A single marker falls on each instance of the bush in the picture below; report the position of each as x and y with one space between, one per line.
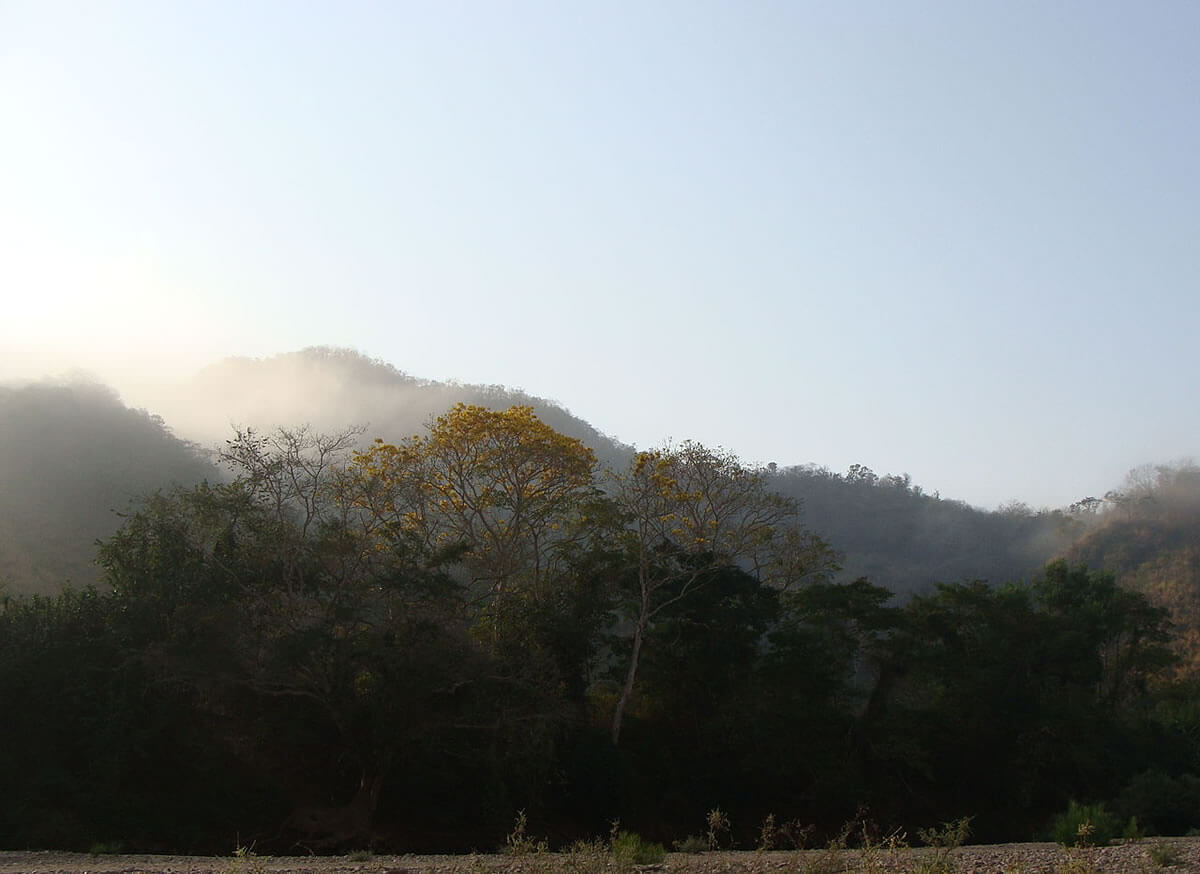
1165 855
692 844
628 849
1163 805
1085 825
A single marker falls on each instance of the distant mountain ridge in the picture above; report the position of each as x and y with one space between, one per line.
72 455
334 388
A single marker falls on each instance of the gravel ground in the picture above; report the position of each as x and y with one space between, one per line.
986 859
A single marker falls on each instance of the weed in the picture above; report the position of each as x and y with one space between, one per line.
767 834
796 834
831 860
942 842
361 856
628 850
584 857
879 854
1076 862
475 864
246 861
1133 832
1164 855
692 844
951 835
106 848
518 842
1084 825
718 826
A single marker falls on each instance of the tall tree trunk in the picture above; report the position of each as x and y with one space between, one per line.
619 714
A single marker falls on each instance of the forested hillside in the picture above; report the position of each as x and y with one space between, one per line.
72 456
331 389
1148 534
411 644
892 532
886 527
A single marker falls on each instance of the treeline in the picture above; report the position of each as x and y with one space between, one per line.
890 530
407 645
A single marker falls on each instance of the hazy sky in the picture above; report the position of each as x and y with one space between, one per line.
957 239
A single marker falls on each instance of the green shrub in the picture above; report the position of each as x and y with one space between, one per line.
1163 804
1085 825
1133 832
1164 855
692 844
628 849
950 836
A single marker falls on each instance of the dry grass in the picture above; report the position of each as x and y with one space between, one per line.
1183 855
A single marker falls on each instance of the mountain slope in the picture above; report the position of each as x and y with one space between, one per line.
1149 537
71 457
332 389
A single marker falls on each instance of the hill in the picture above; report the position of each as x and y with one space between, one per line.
887 528
72 456
898 536
332 389
1146 534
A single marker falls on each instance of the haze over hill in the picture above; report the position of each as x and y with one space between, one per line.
885 526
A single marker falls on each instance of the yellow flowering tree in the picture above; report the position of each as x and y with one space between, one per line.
501 487
692 510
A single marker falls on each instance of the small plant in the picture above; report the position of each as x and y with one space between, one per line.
1076 862
796 834
831 859
768 834
1084 825
105 848
628 849
361 856
877 854
1133 832
951 835
942 841
718 827
585 857
518 842
692 844
247 861
1164 855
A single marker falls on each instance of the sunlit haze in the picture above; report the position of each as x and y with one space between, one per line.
957 240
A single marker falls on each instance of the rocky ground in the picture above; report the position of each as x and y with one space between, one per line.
1145 857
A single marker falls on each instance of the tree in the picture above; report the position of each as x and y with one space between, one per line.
691 510
282 602
502 487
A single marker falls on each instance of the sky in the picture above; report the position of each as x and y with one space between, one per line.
957 240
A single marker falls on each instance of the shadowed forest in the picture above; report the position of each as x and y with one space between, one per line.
397 613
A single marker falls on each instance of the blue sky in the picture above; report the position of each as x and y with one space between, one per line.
955 239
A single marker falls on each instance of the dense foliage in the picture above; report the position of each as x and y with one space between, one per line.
409 644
